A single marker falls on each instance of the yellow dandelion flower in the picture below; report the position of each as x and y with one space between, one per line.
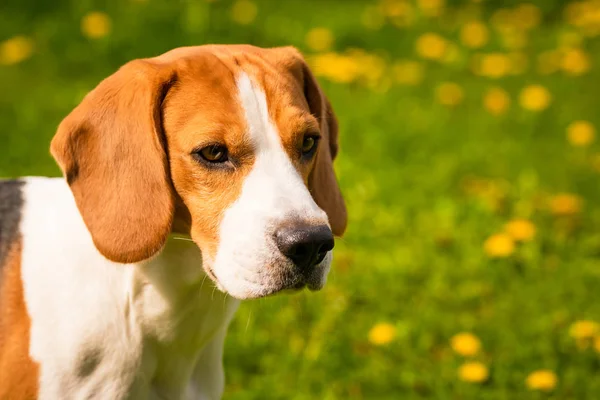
404 21
581 133
431 46
371 67
401 13
535 98
393 8
575 13
465 344
474 34
499 245
449 94
592 17
584 329
527 16
496 101
592 30
494 65
597 344
319 39
521 230
409 73
544 380
473 372
243 12
431 8
565 204
95 25
382 333
15 50
548 62
575 62
336 67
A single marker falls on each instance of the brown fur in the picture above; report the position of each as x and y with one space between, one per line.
18 373
126 149
111 148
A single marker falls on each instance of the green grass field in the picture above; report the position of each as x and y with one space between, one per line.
456 117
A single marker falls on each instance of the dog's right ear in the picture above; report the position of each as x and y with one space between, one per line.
112 151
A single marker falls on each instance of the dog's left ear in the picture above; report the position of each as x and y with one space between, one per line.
322 181
111 149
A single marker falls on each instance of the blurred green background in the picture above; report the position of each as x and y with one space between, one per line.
471 266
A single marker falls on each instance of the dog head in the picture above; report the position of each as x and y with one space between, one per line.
233 145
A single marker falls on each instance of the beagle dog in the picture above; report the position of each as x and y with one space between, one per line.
205 164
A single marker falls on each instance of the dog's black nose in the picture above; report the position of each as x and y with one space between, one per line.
306 246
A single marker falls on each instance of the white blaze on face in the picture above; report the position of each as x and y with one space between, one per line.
248 263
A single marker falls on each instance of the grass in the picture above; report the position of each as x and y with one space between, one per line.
426 185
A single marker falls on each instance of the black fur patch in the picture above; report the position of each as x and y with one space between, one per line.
11 204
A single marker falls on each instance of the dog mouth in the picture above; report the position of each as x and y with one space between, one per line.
299 286
271 280
293 284
290 285
295 288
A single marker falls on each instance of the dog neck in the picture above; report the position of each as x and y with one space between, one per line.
184 319
176 294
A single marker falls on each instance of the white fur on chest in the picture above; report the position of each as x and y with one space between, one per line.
105 330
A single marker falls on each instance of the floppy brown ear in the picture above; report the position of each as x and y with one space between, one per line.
111 149
322 181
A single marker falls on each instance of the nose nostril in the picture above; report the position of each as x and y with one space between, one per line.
299 252
326 245
320 257
306 246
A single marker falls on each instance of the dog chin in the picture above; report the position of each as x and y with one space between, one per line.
285 289
286 281
317 280
252 291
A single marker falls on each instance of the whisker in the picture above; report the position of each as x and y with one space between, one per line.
182 238
225 300
203 279
248 322
340 238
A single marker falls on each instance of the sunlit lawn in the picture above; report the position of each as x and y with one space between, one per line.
470 269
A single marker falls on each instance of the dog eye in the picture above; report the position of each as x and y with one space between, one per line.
214 153
309 145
